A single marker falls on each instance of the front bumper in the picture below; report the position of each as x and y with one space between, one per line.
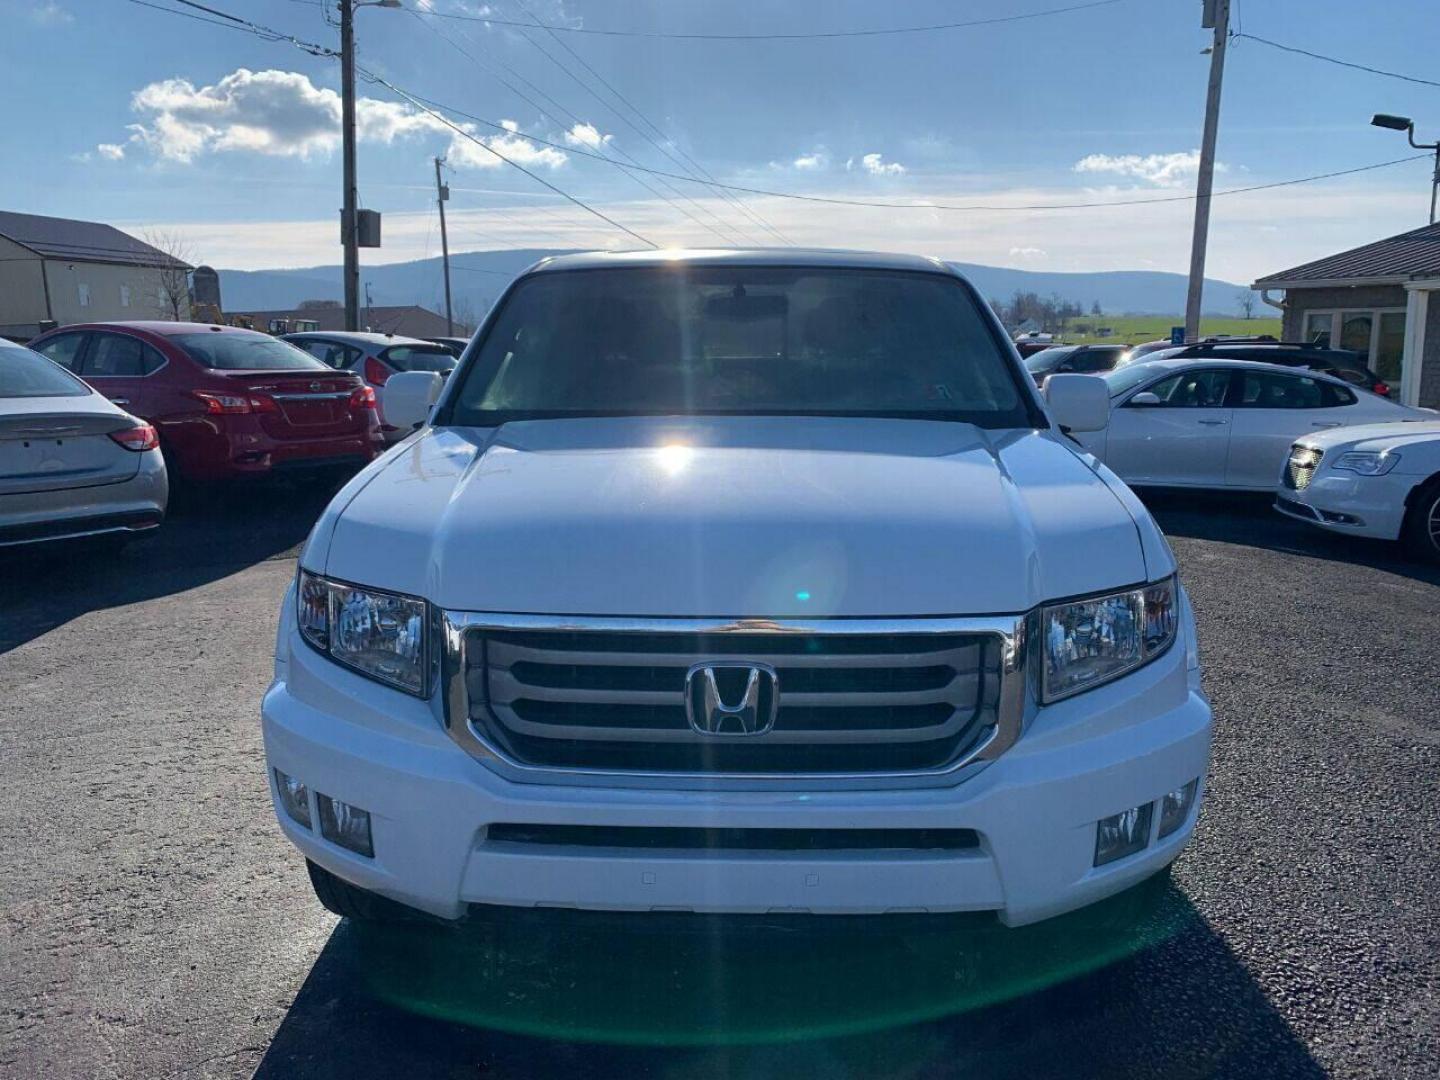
1344 502
1034 810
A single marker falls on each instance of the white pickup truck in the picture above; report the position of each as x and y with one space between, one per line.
737 582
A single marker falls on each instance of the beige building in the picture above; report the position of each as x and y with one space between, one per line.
54 270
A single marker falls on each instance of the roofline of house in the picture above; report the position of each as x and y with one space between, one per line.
1329 283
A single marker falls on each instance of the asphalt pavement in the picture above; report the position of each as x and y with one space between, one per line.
154 923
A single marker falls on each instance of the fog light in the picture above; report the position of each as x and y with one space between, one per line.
346 825
1117 836
294 797
1175 808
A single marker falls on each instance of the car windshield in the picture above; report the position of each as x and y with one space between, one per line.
27 374
1121 379
736 341
245 352
420 358
1047 359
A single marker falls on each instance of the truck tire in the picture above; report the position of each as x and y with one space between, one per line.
350 901
1422 522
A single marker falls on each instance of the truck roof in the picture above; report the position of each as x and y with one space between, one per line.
789 257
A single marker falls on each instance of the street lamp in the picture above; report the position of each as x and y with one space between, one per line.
1405 124
348 224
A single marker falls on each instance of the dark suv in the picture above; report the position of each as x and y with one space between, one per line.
1074 359
1342 363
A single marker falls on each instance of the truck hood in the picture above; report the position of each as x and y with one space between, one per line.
735 517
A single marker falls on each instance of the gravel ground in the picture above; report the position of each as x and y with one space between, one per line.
155 923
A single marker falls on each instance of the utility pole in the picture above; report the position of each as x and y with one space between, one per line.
348 224
1217 16
442 194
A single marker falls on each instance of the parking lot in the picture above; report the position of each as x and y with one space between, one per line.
156 923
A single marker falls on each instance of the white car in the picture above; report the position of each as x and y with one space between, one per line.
71 463
1222 423
1380 480
375 357
737 581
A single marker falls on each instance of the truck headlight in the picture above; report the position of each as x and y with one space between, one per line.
1091 641
379 634
1365 463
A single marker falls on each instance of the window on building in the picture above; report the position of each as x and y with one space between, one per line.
1376 334
124 295
82 291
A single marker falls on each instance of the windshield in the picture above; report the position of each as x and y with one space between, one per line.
1047 359
737 341
420 358
244 351
1121 379
27 374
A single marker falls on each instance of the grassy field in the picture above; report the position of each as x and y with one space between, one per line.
1134 329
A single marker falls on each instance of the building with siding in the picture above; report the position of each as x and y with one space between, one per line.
55 270
1377 300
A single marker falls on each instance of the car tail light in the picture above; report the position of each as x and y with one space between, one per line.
236 404
375 371
363 398
1383 389
138 438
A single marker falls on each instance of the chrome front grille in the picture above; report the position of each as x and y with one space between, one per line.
854 698
1300 468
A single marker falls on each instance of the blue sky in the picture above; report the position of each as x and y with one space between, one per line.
123 114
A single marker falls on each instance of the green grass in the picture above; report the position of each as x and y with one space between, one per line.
1133 329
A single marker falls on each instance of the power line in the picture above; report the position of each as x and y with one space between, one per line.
574 118
1335 60
879 32
926 205
656 128
266 32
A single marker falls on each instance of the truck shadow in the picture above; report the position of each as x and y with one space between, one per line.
558 994
1249 519
202 540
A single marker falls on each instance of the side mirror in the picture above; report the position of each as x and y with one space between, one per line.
1078 402
408 397
1145 397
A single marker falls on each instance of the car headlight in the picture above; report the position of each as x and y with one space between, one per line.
1365 462
379 634
1091 641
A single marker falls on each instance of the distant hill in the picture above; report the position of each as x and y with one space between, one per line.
478 276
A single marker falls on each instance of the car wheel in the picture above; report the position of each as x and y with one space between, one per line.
1422 523
352 902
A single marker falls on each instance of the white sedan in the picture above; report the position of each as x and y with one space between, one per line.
1380 480
1223 423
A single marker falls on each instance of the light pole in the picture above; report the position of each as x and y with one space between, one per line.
348 223
1405 124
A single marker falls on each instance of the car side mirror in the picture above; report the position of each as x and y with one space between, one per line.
1078 402
409 396
1145 397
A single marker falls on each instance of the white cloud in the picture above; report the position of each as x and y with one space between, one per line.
588 136
284 114
811 162
50 13
875 165
1028 252
110 151
1162 170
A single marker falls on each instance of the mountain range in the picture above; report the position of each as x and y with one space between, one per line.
477 277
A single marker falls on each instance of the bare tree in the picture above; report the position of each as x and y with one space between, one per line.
173 291
1245 301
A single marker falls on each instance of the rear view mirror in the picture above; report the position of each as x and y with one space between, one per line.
1078 402
1145 397
409 396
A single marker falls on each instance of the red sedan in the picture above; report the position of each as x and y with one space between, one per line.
225 401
